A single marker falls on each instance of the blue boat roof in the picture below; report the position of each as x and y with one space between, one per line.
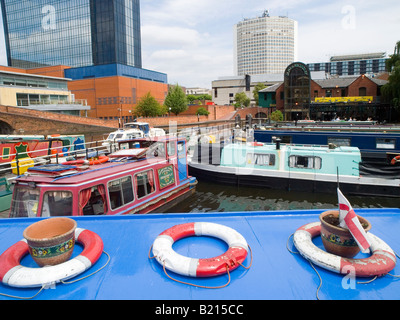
275 272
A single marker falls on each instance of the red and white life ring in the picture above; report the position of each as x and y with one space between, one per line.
394 160
233 257
14 274
381 261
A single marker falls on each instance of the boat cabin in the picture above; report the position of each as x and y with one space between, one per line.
293 158
143 176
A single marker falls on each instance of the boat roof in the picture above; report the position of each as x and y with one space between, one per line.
275 273
94 172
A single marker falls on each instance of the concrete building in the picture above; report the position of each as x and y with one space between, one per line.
370 64
264 45
39 92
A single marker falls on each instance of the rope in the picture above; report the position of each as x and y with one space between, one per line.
63 282
320 279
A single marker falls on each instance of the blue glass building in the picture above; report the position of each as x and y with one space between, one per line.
74 33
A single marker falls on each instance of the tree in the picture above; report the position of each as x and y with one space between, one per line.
202 111
277 116
241 100
148 106
257 88
391 90
176 101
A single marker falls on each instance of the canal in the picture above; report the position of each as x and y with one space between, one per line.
211 197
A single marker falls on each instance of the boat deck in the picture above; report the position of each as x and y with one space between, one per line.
275 273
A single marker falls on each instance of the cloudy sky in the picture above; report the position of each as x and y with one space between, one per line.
192 40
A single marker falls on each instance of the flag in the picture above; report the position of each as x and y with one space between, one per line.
349 220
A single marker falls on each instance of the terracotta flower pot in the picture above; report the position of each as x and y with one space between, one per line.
51 241
337 240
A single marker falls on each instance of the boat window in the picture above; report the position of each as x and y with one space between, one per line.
156 150
308 162
340 142
260 159
171 148
120 192
57 203
144 182
92 201
24 202
385 143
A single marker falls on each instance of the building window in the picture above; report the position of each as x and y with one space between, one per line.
362 92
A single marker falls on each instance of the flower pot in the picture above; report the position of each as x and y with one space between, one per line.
337 240
51 241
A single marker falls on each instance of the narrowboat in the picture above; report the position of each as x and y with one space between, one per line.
123 267
379 146
144 176
294 167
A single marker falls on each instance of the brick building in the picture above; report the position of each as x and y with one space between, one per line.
326 99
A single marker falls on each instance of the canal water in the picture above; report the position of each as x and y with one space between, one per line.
211 197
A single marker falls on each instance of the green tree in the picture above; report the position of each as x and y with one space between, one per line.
257 88
391 90
241 100
176 101
202 111
277 116
148 106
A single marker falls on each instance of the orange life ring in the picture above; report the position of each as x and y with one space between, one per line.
394 160
102 159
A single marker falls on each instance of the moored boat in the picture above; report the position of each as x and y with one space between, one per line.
151 177
293 167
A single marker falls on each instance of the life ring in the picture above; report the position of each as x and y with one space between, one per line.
102 159
379 263
394 160
15 275
232 258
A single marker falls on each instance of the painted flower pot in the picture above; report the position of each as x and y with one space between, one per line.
337 240
51 241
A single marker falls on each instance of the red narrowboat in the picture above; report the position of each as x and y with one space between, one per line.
144 176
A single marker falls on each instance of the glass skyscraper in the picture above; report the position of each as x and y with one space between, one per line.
74 33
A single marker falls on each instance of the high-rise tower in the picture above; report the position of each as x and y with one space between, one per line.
75 33
264 45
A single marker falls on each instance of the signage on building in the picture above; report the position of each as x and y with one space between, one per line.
344 99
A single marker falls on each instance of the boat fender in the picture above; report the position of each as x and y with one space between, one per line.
394 160
379 263
12 273
231 259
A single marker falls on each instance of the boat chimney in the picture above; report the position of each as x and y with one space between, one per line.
278 143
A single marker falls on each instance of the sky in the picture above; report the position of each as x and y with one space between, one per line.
192 40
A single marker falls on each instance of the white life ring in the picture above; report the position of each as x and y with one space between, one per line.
381 261
12 273
231 259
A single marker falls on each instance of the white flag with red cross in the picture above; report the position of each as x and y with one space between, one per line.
349 220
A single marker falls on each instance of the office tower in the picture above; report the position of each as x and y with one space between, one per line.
74 33
264 45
